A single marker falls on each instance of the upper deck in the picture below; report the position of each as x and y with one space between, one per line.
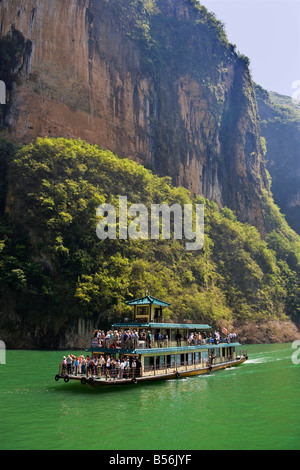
148 330
162 350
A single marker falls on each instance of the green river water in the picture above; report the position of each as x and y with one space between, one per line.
253 406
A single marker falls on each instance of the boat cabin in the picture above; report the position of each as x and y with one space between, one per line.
152 331
159 345
148 309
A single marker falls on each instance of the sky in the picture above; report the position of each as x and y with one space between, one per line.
268 32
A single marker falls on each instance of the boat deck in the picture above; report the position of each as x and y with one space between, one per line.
152 375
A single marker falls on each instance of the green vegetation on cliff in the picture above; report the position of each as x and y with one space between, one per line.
167 35
53 265
280 126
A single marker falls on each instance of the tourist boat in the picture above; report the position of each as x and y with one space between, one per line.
148 349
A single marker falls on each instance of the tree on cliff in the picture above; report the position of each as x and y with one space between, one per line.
53 265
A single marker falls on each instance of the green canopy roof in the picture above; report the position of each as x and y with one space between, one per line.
179 326
160 351
148 300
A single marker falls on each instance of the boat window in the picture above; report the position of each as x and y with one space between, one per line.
172 360
190 358
178 359
173 335
148 362
205 355
142 311
161 360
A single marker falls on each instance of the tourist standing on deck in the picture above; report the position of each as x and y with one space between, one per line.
148 339
133 367
69 364
122 368
83 366
102 365
76 364
108 367
118 368
64 365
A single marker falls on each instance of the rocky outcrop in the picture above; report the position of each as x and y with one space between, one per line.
18 333
266 332
280 126
158 84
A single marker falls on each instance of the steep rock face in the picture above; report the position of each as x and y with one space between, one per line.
158 84
280 125
48 333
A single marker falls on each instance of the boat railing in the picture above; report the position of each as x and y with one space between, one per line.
242 353
131 344
102 372
188 365
132 372
140 344
175 367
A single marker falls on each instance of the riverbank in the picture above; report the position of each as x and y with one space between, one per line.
49 336
267 332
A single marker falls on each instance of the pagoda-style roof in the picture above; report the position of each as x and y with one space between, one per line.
148 300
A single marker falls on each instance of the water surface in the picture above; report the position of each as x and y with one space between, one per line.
253 406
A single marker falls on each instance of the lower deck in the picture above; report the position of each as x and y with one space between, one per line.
102 377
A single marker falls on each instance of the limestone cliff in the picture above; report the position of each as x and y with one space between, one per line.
280 126
153 80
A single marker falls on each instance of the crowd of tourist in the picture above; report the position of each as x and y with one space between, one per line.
124 339
108 367
128 366
195 339
132 339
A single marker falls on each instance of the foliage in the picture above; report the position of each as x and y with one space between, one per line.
280 126
173 41
263 144
52 259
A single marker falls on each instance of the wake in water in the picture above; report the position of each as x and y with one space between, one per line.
274 355
258 361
